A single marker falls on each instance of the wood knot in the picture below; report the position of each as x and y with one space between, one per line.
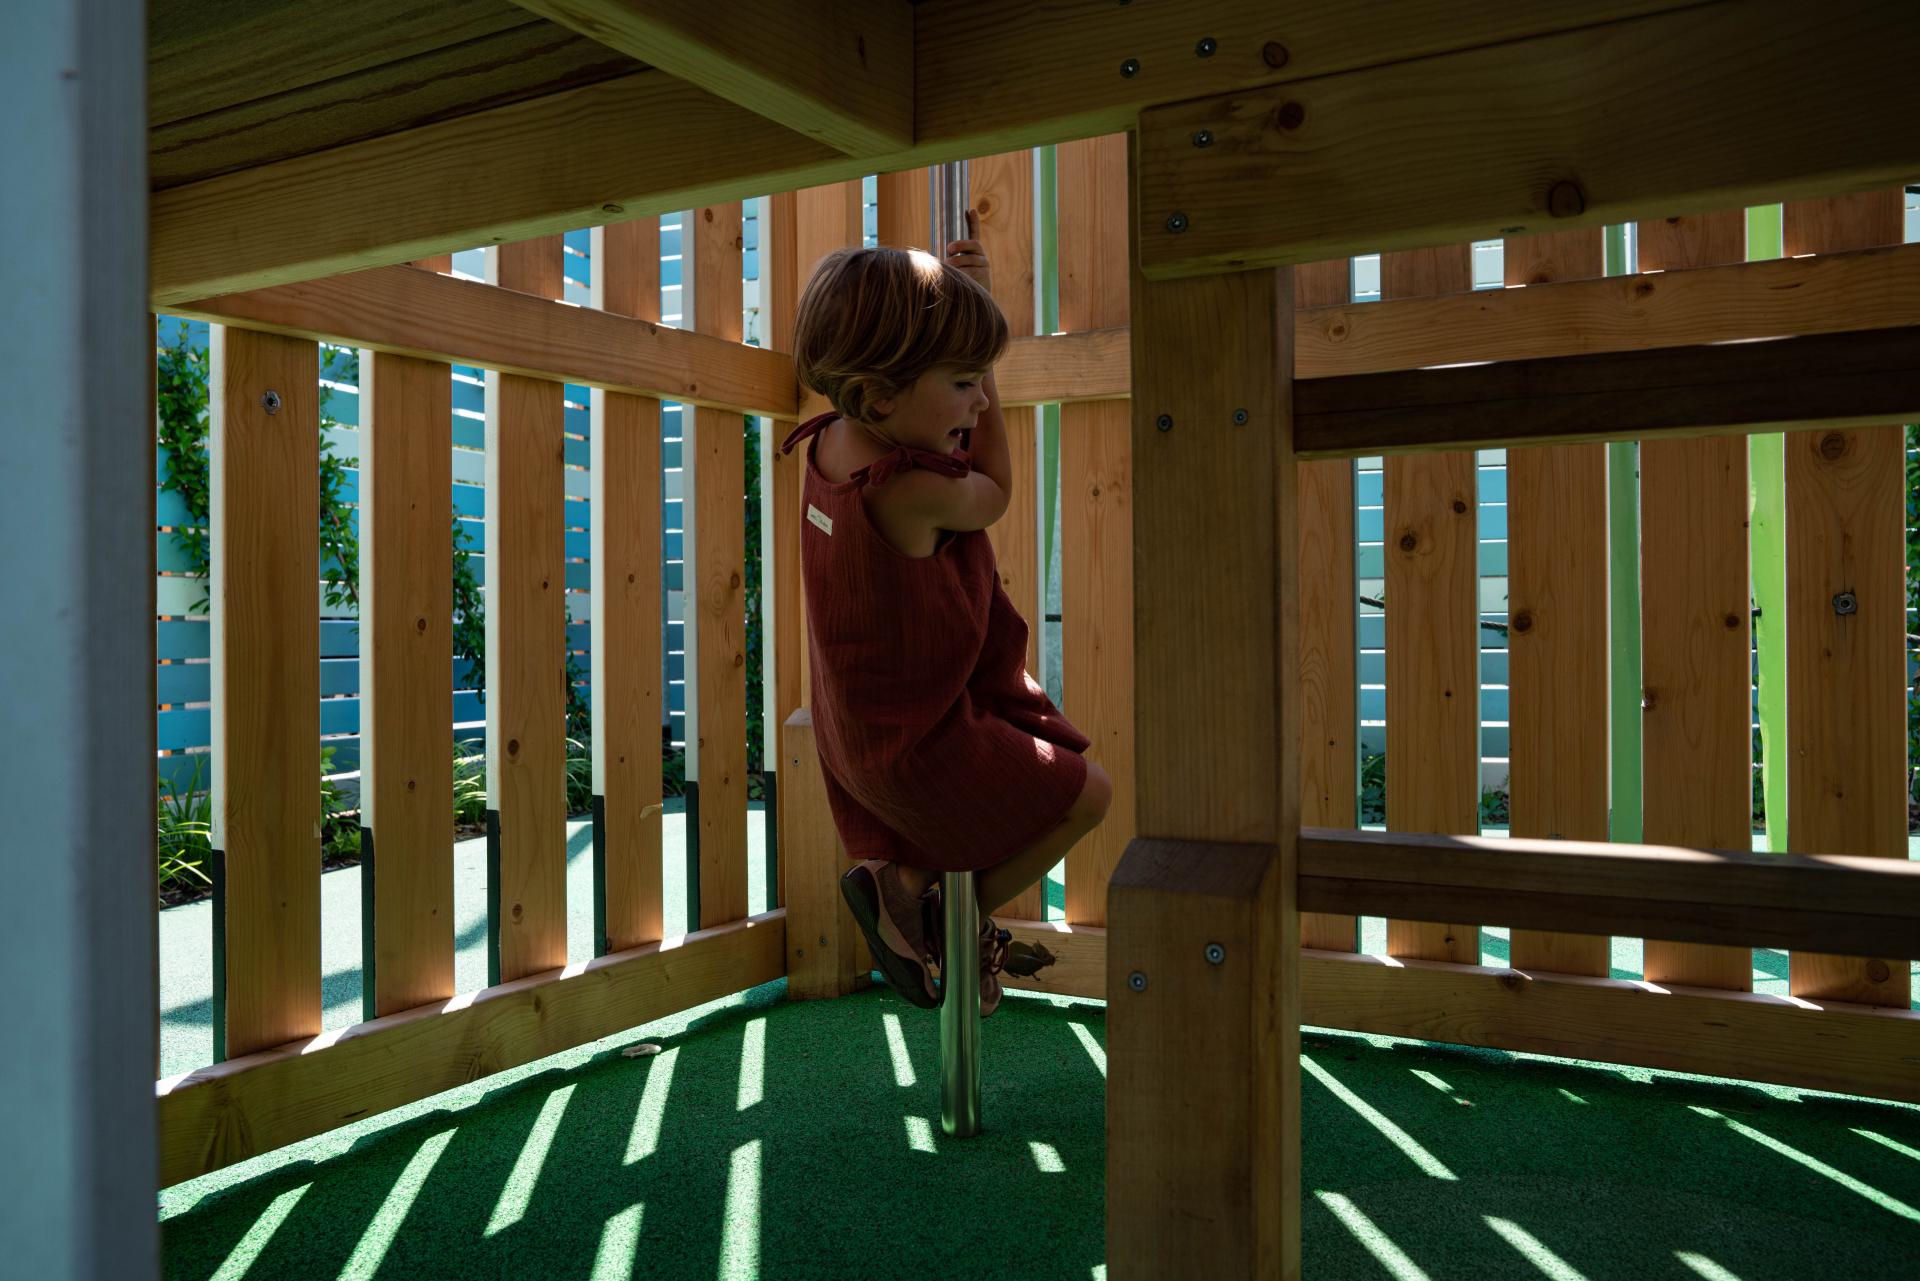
1648 699
1290 116
1877 971
983 206
410 785
1408 542
513 747
1511 981
706 215
1274 54
516 912
420 625
1459 506
1523 622
733 581
1565 199
1732 621
1832 446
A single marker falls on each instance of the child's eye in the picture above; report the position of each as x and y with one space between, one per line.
963 385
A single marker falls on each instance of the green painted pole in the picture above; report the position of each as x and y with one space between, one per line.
1767 550
1623 588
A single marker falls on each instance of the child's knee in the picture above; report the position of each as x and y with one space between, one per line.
1096 796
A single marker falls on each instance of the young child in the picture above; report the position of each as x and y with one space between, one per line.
940 752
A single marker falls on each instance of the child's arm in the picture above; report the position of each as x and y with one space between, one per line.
988 446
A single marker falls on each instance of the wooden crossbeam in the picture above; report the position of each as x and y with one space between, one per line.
253 1104
1066 368
420 313
1827 380
1826 902
651 143
1650 116
841 74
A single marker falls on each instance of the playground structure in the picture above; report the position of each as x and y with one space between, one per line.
1216 383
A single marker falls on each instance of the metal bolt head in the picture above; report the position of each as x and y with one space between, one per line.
1206 47
271 402
1274 54
1203 137
1176 222
1216 954
1846 603
1239 418
1130 68
1164 422
1137 981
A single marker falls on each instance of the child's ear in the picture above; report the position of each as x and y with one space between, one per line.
880 407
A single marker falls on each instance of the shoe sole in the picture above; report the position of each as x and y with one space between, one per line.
908 978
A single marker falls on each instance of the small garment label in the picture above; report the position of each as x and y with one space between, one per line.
820 518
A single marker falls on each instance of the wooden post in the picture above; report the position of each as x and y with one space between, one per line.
715 455
406 704
826 953
1329 643
1096 512
627 671
77 1148
1557 627
1846 629
901 214
1696 628
1202 907
1433 631
265 520
526 649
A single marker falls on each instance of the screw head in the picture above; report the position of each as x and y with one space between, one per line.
271 402
1846 603
1130 68
1176 223
1164 422
1215 953
1274 54
1203 137
1206 47
1239 418
1137 981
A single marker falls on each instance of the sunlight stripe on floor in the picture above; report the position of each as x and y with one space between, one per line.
619 1246
1432 1080
1571 1095
897 1046
920 1134
1534 1250
517 1193
740 1251
1394 1134
753 1065
1368 1233
1886 1142
1890 1204
248 1248
1094 1052
385 1225
1047 1157
653 1106
1704 1266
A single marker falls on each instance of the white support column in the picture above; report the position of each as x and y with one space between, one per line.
78 1145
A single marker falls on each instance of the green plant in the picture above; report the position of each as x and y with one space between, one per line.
183 834
1373 787
1494 810
469 611
469 782
339 825
579 776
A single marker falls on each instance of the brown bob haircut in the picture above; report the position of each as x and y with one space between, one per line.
870 321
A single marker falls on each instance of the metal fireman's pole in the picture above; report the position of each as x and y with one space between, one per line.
960 967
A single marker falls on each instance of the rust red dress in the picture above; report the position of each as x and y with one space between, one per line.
939 750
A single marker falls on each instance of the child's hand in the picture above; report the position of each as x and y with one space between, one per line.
969 257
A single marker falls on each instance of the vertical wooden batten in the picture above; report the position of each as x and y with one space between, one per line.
406 704
1557 638
903 219
1696 626
265 524
1433 630
627 671
526 647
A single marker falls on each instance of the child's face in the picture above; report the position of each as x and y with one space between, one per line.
935 407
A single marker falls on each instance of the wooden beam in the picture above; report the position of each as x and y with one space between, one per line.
238 1109
1787 383
826 953
1660 307
840 74
417 313
1695 896
1546 133
649 143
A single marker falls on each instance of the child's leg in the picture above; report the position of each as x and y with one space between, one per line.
1002 883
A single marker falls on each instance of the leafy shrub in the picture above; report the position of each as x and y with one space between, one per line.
183 835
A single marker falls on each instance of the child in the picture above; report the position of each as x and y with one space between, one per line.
940 752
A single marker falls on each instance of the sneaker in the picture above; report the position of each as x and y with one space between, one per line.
993 959
894 921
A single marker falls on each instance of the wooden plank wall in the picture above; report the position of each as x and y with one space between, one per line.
1329 653
526 648
1433 630
1557 639
1096 512
406 702
265 520
626 655
1846 667
1696 627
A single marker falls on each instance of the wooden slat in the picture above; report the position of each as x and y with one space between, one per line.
1329 682
1065 369
1702 896
826 954
526 648
232 1111
1557 638
1785 384
1696 674
901 209
406 704
1846 672
716 566
415 313
1549 133
837 73
780 284
1433 630
1096 512
627 670
265 522
1693 298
